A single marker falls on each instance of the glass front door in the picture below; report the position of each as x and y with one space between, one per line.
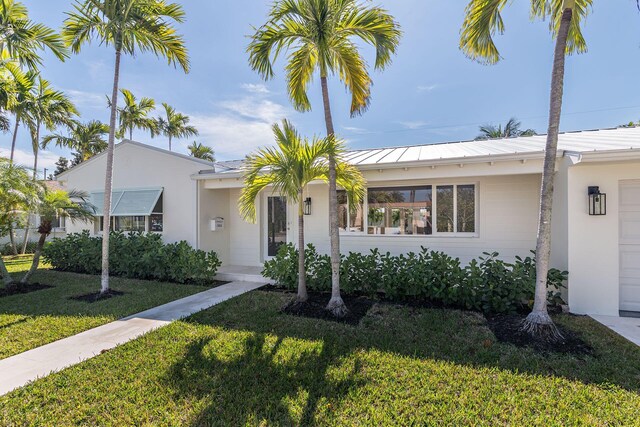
276 224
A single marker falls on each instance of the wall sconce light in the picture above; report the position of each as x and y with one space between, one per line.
307 206
597 201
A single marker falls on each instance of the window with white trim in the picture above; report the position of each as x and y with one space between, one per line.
134 210
442 209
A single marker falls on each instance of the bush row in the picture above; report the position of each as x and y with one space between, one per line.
135 256
487 284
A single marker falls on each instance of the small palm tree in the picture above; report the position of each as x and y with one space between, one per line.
322 35
19 102
288 169
173 125
134 115
511 129
203 152
129 26
87 139
483 19
21 38
54 205
18 195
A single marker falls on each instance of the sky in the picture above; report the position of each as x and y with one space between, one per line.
430 93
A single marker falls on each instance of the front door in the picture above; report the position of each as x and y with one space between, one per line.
276 224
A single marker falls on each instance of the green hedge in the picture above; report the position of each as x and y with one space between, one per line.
487 284
135 256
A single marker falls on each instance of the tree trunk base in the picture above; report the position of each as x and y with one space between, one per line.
337 307
539 325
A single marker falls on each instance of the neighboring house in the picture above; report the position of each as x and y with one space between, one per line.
463 198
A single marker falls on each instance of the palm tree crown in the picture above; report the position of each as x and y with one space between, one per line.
173 125
200 151
21 38
87 139
320 35
134 115
511 129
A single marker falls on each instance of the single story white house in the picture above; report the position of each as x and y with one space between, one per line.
463 198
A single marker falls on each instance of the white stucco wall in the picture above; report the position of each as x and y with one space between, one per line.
140 167
213 204
593 241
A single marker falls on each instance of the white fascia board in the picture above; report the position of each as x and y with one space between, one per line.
632 154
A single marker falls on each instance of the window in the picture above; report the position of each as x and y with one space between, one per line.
58 223
133 210
400 210
350 222
417 210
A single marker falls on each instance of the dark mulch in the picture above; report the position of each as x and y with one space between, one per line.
97 296
507 328
22 289
315 307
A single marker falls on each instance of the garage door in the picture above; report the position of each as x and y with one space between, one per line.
630 246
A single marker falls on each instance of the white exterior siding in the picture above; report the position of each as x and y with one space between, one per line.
137 166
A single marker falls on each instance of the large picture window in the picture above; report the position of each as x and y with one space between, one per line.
425 210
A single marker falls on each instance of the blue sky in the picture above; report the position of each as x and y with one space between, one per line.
431 92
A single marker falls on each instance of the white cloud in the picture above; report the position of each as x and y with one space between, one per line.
46 159
427 88
356 130
255 88
87 99
416 124
241 126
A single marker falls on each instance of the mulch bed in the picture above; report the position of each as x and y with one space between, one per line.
507 329
315 307
97 296
22 289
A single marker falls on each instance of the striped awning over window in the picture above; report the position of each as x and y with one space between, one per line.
130 202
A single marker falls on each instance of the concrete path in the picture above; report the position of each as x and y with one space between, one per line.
18 370
628 327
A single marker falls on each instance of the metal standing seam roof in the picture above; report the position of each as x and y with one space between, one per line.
589 141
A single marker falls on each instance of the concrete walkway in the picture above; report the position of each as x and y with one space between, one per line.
18 370
628 327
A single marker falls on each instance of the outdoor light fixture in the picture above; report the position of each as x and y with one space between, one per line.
307 206
597 201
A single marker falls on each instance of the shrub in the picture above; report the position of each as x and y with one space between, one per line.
6 250
135 256
487 284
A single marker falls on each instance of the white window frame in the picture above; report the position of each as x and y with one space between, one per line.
434 212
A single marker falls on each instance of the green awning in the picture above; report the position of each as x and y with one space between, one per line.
130 202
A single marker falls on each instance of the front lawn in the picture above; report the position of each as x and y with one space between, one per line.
243 362
31 320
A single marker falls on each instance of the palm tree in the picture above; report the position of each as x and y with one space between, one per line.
53 205
512 129
87 139
18 195
23 87
173 125
200 151
50 108
129 26
288 169
134 115
21 38
320 35
482 21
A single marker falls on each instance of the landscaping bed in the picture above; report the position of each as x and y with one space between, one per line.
314 307
245 363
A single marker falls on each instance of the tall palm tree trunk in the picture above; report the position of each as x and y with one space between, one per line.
169 142
302 273
36 259
108 183
538 322
13 140
336 304
25 241
12 240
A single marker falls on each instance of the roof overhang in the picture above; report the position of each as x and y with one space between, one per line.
631 154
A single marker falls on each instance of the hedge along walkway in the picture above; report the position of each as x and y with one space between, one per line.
18 370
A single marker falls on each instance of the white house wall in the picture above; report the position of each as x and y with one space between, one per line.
245 246
139 167
593 243
214 204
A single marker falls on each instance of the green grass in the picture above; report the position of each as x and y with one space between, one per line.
31 320
244 363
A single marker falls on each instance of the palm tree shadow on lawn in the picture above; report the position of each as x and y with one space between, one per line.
260 383
249 375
